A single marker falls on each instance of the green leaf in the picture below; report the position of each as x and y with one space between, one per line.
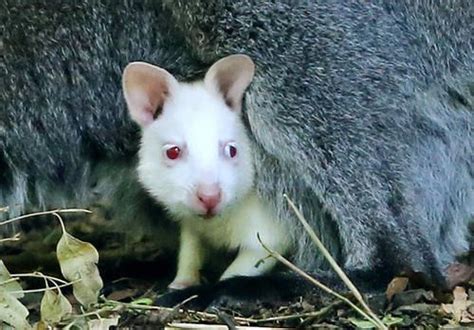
362 324
143 301
392 320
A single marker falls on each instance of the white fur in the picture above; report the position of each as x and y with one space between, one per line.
200 123
235 229
196 118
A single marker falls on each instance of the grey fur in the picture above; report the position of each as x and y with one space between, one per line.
361 112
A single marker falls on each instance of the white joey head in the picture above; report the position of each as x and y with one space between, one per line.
195 156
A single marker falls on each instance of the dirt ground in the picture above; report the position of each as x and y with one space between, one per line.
135 270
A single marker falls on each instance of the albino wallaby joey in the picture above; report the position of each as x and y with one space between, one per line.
196 160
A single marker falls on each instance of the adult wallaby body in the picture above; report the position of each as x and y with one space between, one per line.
362 113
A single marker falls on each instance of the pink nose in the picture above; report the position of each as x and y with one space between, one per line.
209 196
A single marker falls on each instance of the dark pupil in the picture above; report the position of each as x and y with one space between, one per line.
233 151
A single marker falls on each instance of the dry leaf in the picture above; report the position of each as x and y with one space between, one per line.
184 326
459 307
122 294
103 324
13 287
12 311
78 261
54 306
397 285
458 273
466 318
420 308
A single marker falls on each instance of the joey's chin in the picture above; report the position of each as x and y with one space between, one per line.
193 211
208 214
213 213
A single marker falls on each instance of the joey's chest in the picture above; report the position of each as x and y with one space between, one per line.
236 228
217 232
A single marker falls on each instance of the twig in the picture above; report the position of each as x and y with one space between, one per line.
61 222
320 285
44 213
54 280
226 319
212 316
40 275
335 266
14 238
170 309
106 308
11 279
45 289
164 309
175 310
185 301
318 313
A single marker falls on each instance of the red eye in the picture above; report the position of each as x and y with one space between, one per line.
173 152
230 150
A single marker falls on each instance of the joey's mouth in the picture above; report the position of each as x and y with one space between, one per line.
209 214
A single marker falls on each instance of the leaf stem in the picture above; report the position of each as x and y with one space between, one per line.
373 317
44 213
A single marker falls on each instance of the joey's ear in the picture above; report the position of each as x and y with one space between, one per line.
231 75
146 88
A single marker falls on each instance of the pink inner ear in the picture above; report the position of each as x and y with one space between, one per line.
141 109
231 75
146 116
146 88
147 102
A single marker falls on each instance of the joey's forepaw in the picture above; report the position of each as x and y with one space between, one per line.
239 293
222 295
180 284
174 297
